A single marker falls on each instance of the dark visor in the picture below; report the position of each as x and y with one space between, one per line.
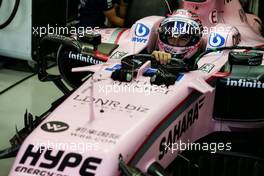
179 34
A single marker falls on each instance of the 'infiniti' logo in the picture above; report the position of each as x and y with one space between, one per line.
141 30
245 83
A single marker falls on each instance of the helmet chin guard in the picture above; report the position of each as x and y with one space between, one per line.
180 52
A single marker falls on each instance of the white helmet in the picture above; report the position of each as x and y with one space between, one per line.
180 34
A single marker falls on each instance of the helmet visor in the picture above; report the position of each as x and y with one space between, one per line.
180 34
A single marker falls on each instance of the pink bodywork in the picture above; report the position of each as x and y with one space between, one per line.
132 119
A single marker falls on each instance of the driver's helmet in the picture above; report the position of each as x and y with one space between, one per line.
180 34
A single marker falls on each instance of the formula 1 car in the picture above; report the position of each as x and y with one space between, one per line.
128 115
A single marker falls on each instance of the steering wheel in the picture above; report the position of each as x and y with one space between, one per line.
164 74
176 65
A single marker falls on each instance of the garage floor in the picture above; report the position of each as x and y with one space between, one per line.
29 94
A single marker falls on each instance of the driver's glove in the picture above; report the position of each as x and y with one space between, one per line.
162 57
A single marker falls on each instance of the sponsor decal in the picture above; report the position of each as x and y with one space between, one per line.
173 50
213 17
139 40
245 83
48 159
180 128
141 32
216 40
33 171
113 105
55 127
97 136
207 68
83 58
118 55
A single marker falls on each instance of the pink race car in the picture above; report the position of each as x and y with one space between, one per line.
130 118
